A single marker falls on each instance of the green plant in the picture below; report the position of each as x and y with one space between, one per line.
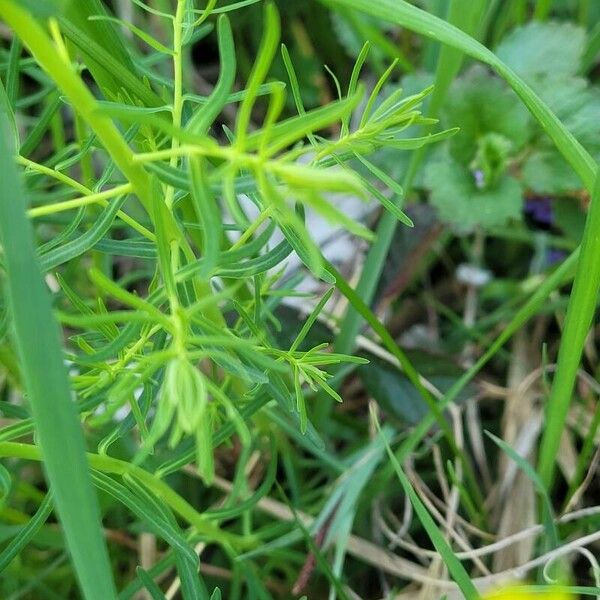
150 362
172 340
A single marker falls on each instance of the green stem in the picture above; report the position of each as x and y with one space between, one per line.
114 466
542 9
49 209
177 89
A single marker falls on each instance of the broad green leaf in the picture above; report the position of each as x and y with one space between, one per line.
461 203
398 396
547 173
550 48
479 104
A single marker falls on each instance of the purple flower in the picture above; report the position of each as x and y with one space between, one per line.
540 210
555 256
479 178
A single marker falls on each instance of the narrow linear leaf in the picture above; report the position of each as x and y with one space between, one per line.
26 534
457 571
206 114
151 587
136 31
207 212
580 313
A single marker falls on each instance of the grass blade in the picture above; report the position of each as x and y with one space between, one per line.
203 118
457 571
580 312
151 587
37 339
526 312
549 524
26 534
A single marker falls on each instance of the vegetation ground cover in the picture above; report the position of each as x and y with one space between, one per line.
298 299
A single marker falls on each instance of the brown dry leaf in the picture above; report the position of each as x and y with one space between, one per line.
516 508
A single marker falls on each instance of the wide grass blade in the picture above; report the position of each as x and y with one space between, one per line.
37 339
580 312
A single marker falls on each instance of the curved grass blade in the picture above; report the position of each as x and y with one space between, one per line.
27 533
49 394
551 537
580 313
455 567
154 519
264 58
145 37
562 275
208 214
151 587
36 134
436 408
